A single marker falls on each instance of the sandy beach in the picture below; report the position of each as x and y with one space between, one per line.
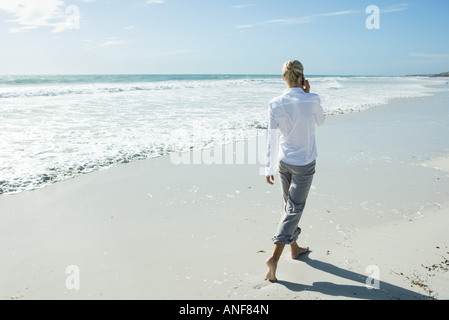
376 222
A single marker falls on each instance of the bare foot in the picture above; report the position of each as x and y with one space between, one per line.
271 274
297 251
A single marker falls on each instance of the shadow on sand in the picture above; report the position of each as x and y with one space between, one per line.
386 290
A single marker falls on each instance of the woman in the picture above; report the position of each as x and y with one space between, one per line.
291 138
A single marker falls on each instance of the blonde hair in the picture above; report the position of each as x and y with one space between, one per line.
292 70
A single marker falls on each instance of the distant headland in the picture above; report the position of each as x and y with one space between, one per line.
444 74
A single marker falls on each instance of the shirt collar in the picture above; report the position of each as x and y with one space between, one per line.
295 90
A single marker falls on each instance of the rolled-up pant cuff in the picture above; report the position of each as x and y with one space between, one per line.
287 239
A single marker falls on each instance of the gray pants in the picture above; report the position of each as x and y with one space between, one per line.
295 182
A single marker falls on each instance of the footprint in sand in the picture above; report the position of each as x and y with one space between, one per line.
262 285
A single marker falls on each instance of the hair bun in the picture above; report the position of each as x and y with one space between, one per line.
292 70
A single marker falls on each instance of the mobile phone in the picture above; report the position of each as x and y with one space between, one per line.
303 79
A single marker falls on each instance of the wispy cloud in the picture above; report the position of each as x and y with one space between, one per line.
155 1
429 56
298 20
112 42
338 13
32 14
151 55
246 26
396 8
242 6
90 44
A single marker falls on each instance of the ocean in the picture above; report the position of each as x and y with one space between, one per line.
54 128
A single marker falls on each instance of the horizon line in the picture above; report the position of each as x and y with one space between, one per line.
211 74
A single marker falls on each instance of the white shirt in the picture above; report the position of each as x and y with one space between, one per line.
294 115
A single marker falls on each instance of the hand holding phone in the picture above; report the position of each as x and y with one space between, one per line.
305 84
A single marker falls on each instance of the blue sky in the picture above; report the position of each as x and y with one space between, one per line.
227 36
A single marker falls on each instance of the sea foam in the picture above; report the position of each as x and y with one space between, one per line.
57 127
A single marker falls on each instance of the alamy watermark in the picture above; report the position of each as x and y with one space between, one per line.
72 282
72 21
373 281
228 151
373 20
73 279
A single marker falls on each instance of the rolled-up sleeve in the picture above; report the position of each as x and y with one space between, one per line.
272 144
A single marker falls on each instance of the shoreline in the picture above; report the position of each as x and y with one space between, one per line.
154 230
64 158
